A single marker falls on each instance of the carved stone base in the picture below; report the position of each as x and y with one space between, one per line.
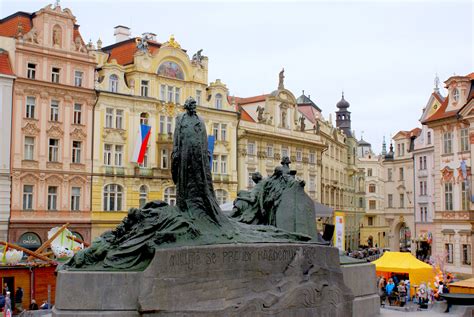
217 280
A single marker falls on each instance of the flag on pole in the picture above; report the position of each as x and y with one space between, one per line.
141 143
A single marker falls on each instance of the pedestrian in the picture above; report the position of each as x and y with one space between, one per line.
33 305
389 290
402 293
19 299
45 305
8 304
381 291
5 289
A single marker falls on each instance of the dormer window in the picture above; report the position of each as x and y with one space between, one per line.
218 101
456 94
113 83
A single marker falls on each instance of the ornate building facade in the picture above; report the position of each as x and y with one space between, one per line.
6 101
452 124
142 81
423 158
399 190
51 125
374 230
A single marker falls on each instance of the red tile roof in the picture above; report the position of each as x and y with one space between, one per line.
441 113
5 65
308 111
123 51
245 116
9 25
76 33
244 101
415 132
471 75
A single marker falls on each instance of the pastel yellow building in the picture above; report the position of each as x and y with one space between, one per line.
141 81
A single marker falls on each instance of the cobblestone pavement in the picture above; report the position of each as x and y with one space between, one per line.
432 311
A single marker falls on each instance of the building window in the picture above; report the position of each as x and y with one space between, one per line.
52 198
370 220
449 252
162 124
371 188
198 97
403 149
143 196
428 138
299 155
169 125
402 200
163 92
221 196
464 196
118 155
31 71
285 152
223 132
76 151
389 174
164 159
170 196
447 143
251 148
456 94
218 101
55 75
29 147
223 164
75 198
372 204
144 118
390 201
53 153
215 130
250 182
312 183
369 172
423 188
30 107
170 93
118 119
270 150
312 158
215 164
54 110
177 95
464 139
401 176
27 197
109 117
77 116
78 78
466 254
113 83
448 196
113 194
144 88
107 154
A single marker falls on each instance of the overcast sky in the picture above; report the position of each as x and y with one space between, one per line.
383 55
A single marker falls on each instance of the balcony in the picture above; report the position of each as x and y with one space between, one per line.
220 177
144 171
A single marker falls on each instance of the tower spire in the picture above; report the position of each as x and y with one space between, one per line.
384 147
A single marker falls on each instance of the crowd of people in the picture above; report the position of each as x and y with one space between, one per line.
396 291
9 305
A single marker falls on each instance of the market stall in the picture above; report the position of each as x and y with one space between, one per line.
404 263
464 286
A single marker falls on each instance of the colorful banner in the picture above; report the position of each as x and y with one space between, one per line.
339 230
141 144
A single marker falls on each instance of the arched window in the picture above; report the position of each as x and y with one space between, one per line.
218 101
456 94
144 118
170 196
113 83
113 195
221 196
143 195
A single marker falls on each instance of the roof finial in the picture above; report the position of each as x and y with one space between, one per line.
303 92
362 134
384 146
436 82
343 94
56 4
281 78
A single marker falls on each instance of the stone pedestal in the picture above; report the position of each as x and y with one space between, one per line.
218 280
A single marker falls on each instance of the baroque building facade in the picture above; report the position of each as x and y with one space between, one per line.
452 124
6 101
142 81
51 124
399 190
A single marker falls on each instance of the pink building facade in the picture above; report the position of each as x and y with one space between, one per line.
51 147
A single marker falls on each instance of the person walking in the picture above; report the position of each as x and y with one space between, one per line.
19 299
389 290
381 291
8 305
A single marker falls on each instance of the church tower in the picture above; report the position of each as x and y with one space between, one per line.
343 116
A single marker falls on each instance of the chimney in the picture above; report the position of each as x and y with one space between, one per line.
121 33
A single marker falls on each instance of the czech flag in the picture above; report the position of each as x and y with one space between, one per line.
141 144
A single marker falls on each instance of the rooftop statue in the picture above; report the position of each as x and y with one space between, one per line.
197 218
